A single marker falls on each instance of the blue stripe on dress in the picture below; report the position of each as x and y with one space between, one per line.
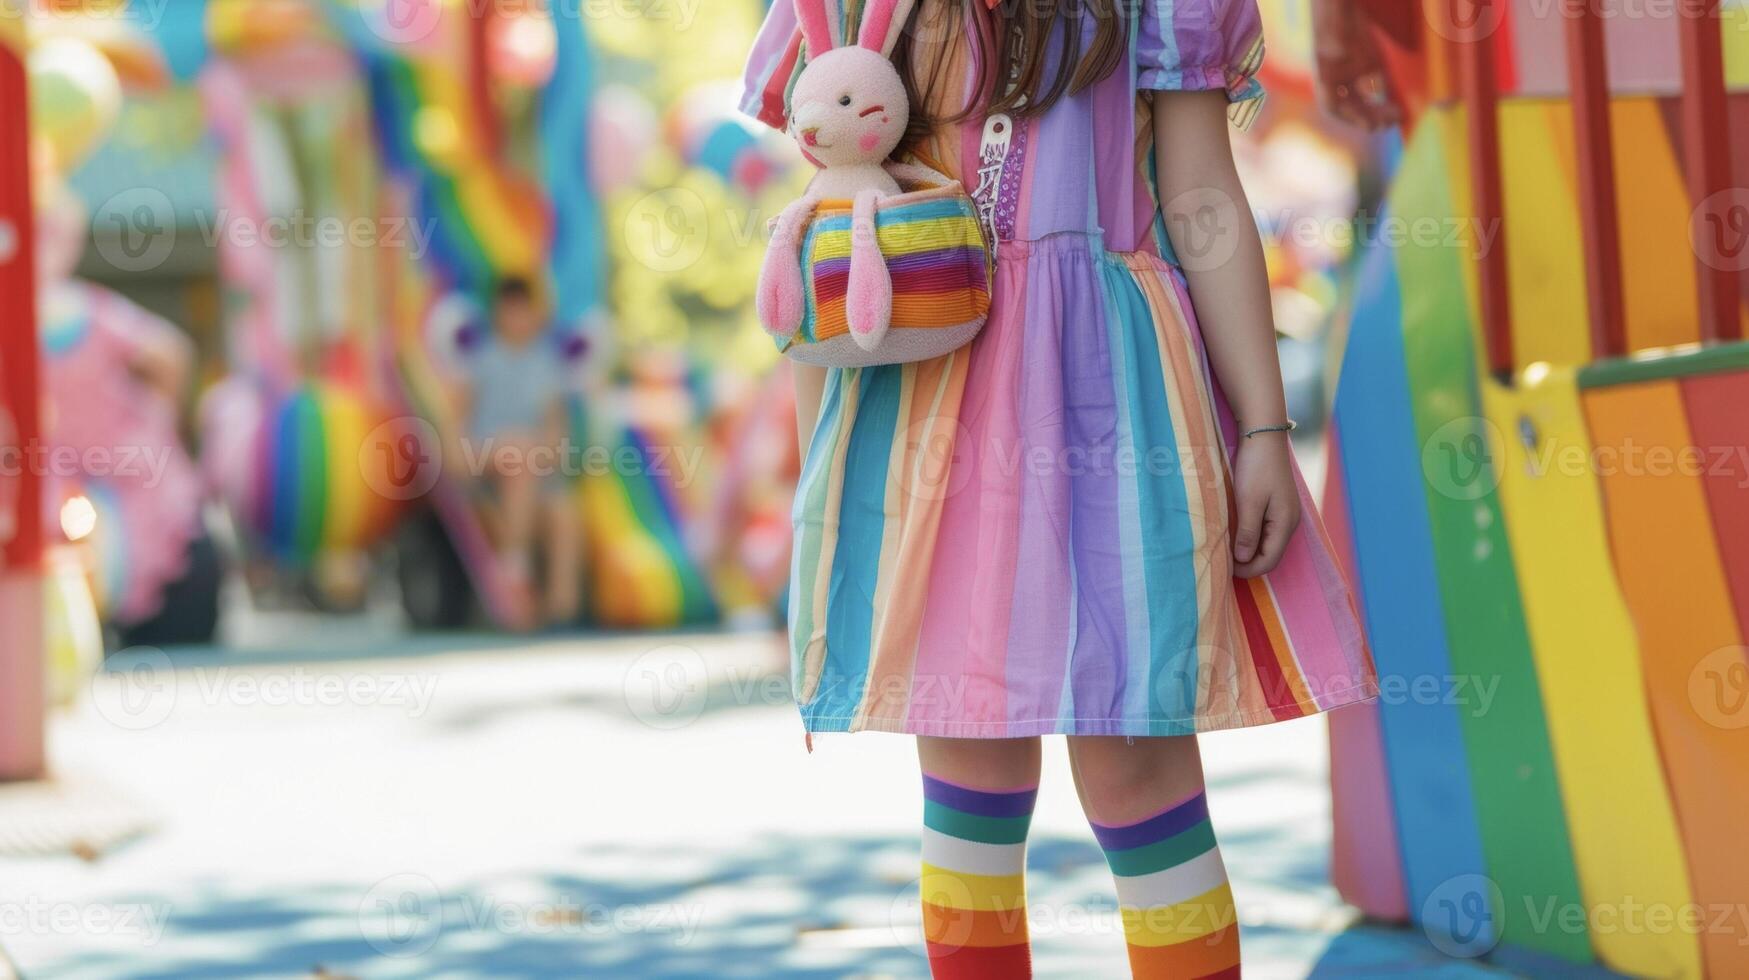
1168 542
862 521
1131 540
808 518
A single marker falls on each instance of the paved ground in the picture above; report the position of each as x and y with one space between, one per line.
606 807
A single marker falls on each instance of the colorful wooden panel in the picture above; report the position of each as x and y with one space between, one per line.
1365 862
1588 662
1718 417
1667 561
1425 757
1543 236
1493 684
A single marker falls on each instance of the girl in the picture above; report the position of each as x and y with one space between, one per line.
1066 527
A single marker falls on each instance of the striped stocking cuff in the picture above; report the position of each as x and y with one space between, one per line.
973 886
1172 891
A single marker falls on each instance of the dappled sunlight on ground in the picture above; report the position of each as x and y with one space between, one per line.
601 807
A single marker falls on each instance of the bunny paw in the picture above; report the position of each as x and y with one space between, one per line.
868 300
779 299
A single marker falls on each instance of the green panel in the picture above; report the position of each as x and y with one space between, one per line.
1684 363
1512 768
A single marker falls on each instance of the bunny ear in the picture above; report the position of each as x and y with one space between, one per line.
882 23
820 25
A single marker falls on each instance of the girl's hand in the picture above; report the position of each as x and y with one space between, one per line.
1352 84
1268 503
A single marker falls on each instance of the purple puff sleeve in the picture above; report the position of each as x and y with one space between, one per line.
1199 45
771 66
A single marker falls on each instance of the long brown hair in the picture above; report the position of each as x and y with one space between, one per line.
1018 73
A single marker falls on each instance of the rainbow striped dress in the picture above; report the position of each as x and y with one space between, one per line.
1031 535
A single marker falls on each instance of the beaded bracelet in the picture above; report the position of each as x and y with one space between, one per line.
1287 426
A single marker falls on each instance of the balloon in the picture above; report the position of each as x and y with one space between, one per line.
622 128
305 480
75 98
521 47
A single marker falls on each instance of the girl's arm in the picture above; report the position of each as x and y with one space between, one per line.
1217 242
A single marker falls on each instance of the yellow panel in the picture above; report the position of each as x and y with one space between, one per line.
1546 261
1588 665
1657 263
1734 24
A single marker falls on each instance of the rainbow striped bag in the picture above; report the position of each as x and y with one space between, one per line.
935 251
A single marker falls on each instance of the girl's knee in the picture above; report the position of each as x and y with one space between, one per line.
1122 779
995 764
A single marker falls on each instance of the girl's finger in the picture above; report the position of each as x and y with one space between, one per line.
1248 531
1278 527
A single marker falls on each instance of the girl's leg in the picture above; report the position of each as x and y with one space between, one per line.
978 797
564 585
1144 797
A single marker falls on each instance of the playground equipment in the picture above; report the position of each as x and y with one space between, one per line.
21 542
471 130
1538 477
118 495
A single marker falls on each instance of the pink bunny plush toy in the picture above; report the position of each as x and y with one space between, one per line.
848 111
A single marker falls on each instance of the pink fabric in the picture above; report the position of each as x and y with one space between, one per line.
125 435
1365 862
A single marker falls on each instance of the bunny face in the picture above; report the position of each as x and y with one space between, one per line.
849 107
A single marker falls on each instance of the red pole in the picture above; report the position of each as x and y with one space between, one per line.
1478 89
480 75
21 539
1706 143
1588 85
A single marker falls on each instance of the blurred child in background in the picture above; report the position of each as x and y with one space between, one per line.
514 407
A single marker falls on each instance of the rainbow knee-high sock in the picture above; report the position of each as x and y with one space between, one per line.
1172 892
974 880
